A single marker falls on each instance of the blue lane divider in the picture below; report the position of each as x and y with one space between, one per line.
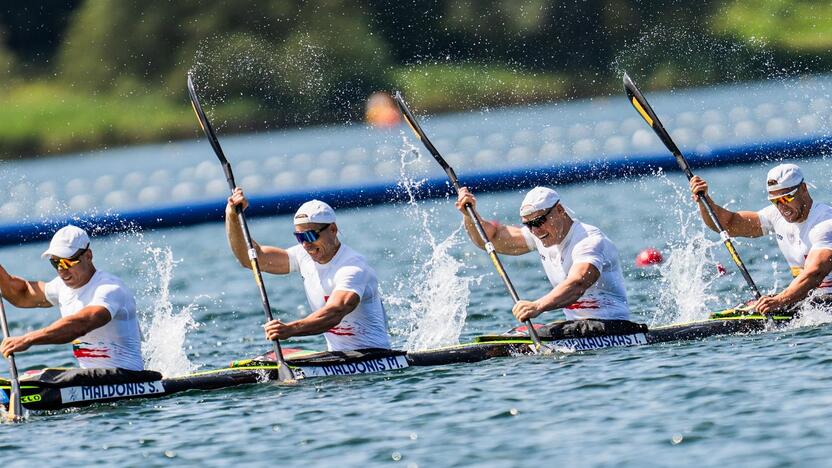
349 197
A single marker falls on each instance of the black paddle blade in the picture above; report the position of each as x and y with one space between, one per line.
203 121
417 129
644 109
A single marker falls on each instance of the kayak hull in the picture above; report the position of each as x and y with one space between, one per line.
36 395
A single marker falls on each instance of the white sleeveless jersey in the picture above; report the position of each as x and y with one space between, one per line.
364 327
796 240
607 298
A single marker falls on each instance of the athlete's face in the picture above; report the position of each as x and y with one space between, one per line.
549 225
325 246
78 274
793 205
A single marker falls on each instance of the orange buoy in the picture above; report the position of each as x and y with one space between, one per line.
381 111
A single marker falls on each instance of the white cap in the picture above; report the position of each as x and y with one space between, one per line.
784 176
315 211
538 198
67 241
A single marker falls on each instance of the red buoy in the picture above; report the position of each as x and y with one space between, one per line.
649 257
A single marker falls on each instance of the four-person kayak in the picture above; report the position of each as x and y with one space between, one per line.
52 389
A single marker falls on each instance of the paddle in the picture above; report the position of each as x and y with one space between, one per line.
15 412
643 107
284 373
489 247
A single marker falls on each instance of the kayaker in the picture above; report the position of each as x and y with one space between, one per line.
98 311
803 230
341 288
581 263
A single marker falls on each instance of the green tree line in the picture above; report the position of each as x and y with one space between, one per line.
86 74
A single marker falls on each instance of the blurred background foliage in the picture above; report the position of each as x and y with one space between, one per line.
90 74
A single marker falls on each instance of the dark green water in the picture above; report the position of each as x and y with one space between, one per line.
760 400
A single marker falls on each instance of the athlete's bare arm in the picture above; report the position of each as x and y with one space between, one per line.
506 239
581 277
817 266
271 259
736 223
339 304
62 331
23 293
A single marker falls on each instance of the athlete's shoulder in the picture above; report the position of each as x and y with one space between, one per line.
105 278
771 212
351 256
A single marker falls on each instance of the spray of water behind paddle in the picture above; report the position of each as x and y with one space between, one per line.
432 297
690 269
165 328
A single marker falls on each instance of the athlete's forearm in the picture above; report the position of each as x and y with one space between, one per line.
562 295
800 287
62 331
721 213
320 321
471 229
236 240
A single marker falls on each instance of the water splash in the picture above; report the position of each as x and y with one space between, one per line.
688 273
812 314
164 343
686 279
433 296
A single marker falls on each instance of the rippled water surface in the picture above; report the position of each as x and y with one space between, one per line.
761 400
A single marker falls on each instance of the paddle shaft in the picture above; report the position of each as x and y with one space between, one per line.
284 372
643 107
15 408
489 246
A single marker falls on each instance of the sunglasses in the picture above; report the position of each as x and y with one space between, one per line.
309 236
784 198
537 222
67 263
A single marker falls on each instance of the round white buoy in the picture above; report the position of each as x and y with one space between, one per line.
286 179
584 147
252 182
133 180
353 173
551 151
217 188
82 202
184 191
151 194
320 177
117 198
104 184
11 210
76 186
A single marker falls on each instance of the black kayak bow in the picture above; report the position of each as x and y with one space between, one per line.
284 372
